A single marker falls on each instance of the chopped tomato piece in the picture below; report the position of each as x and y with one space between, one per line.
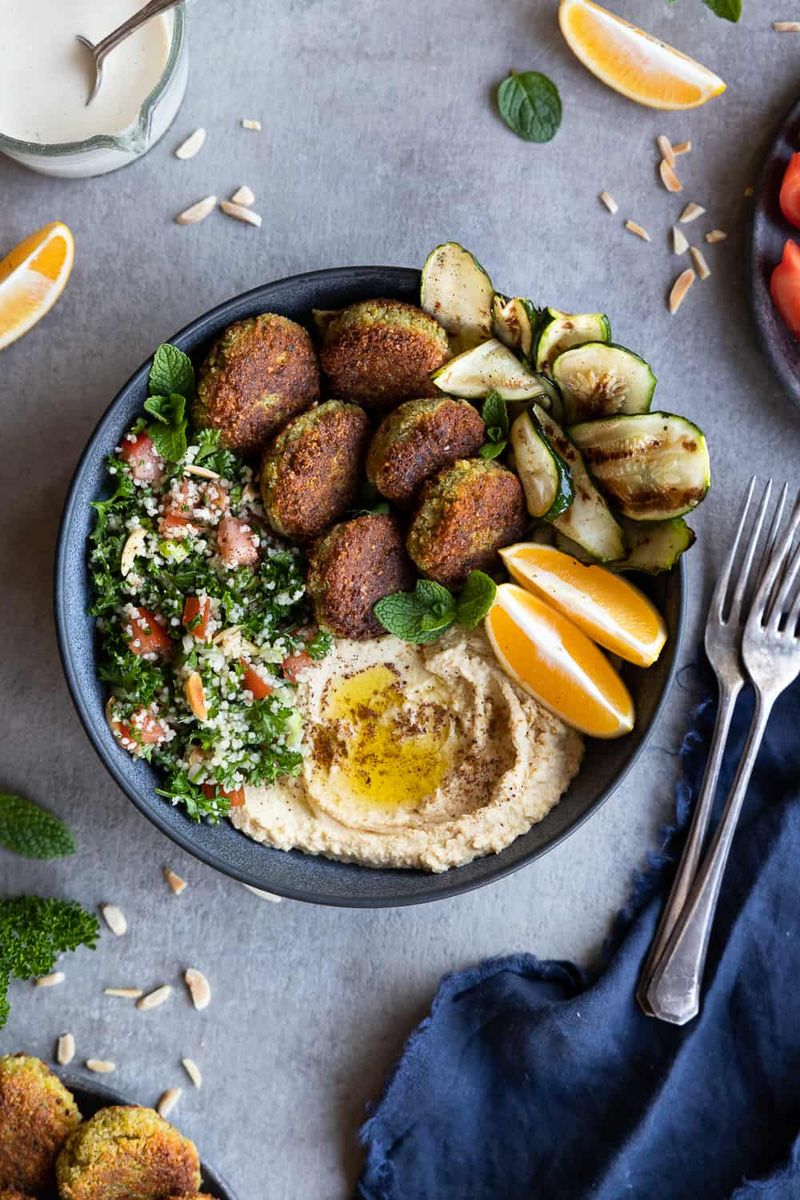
295 664
785 287
173 525
196 615
147 634
145 462
789 198
254 682
142 728
236 797
236 542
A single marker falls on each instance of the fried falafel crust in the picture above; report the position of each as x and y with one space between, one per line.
356 564
127 1153
380 352
259 374
37 1114
465 514
11 1194
417 440
310 471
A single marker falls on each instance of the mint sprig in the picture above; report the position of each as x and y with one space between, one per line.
31 831
495 418
171 372
530 105
422 616
171 387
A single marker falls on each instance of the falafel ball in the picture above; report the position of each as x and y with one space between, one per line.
310 472
193 1196
356 564
37 1114
465 514
126 1153
380 352
10 1194
257 375
418 439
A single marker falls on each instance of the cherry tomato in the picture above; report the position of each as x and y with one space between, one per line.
254 682
785 287
144 460
295 664
789 198
236 797
196 615
147 635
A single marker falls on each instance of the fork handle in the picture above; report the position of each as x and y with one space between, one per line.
687 868
674 994
113 39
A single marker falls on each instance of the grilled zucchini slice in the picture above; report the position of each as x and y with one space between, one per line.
545 477
653 546
557 331
600 379
490 367
458 293
653 466
514 323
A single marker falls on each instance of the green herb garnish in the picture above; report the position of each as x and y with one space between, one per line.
171 372
530 105
33 932
495 418
31 831
422 616
171 388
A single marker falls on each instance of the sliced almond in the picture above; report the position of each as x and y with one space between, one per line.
786 26
748 191
167 1101
100 1066
132 548
669 178
681 148
154 999
249 123
124 993
176 883
691 213
634 227
196 696
244 195
609 201
199 988
193 1071
240 213
700 265
65 1049
679 289
666 149
201 472
52 980
197 212
114 919
716 235
679 242
192 145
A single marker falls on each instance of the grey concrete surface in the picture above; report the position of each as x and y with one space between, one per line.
379 140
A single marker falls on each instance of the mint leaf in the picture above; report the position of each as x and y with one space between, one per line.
492 449
494 412
420 616
729 10
172 371
475 600
31 831
530 104
168 431
370 502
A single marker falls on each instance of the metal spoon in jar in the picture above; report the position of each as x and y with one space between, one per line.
103 48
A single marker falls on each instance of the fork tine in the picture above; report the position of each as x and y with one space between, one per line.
721 589
752 546
774 530
784 591
775 566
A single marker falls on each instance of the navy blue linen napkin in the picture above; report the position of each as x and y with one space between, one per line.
534 1080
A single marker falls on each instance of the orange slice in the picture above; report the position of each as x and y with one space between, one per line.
32 277
632 62
557 664
610 610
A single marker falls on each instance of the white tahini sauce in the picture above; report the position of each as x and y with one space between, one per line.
45 74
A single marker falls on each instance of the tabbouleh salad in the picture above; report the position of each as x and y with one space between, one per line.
201 611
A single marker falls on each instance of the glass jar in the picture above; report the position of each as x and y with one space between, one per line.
108 152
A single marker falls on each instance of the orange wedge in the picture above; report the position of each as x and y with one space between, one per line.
557 664
32 277
608 609
632 62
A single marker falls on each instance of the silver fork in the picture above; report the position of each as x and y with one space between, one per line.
771 655
722 642
110 42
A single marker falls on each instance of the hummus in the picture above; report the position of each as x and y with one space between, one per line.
415 756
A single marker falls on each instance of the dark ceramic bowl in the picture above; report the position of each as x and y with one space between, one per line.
770 230
294 874
91 1100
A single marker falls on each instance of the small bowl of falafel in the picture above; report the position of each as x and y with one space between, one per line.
246 507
